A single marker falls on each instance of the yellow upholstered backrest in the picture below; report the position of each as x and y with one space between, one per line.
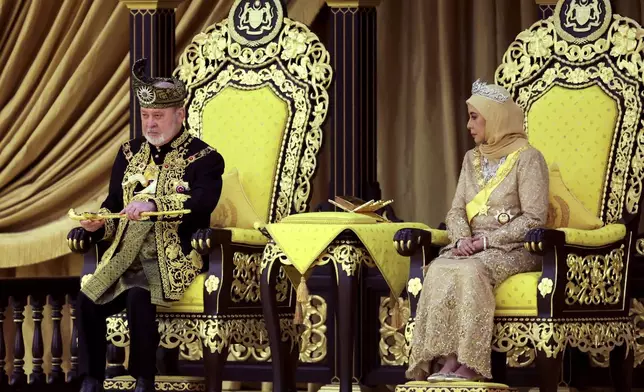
258 94
247 128
575 129
581 87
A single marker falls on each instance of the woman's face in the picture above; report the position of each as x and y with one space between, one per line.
476 124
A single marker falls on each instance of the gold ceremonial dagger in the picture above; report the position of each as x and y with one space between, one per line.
72 214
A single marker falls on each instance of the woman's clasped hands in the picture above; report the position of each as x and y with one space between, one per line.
469 246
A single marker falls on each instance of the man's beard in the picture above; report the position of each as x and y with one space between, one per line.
156 140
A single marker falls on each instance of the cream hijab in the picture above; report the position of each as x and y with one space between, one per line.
504 132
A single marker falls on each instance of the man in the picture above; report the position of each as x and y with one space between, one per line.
150 261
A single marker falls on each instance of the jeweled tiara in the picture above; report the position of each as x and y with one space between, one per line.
490 91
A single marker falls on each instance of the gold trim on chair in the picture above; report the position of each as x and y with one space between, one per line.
614 64
213 56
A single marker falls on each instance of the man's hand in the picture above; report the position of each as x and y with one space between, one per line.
135 208
91 225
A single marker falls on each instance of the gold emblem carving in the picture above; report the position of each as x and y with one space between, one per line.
595 279
580 21
256 18
394 345
255 22
117 331
583 15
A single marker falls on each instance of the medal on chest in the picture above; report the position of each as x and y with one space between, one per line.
504 216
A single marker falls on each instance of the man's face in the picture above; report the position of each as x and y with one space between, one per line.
161 125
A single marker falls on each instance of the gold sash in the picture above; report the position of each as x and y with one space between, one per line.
478 204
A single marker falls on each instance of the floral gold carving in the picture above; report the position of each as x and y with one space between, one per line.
246 277
313 342
553 336
178 385
246 339
117 331
595 279
394 345
212 284
347 256
545 287
612 60
297 67
414 286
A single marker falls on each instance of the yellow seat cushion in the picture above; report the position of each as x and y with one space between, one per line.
517 295
233 209
565 210
192 300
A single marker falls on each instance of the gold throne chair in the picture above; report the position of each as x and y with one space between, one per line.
578 77
257 92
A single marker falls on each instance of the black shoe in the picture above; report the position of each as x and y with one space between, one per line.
91 384
144 385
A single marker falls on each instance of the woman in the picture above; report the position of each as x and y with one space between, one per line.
502 193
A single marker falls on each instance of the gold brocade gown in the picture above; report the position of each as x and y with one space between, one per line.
455 313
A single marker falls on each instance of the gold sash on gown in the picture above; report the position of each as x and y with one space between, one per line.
478 205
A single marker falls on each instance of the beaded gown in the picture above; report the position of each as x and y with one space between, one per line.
455 313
